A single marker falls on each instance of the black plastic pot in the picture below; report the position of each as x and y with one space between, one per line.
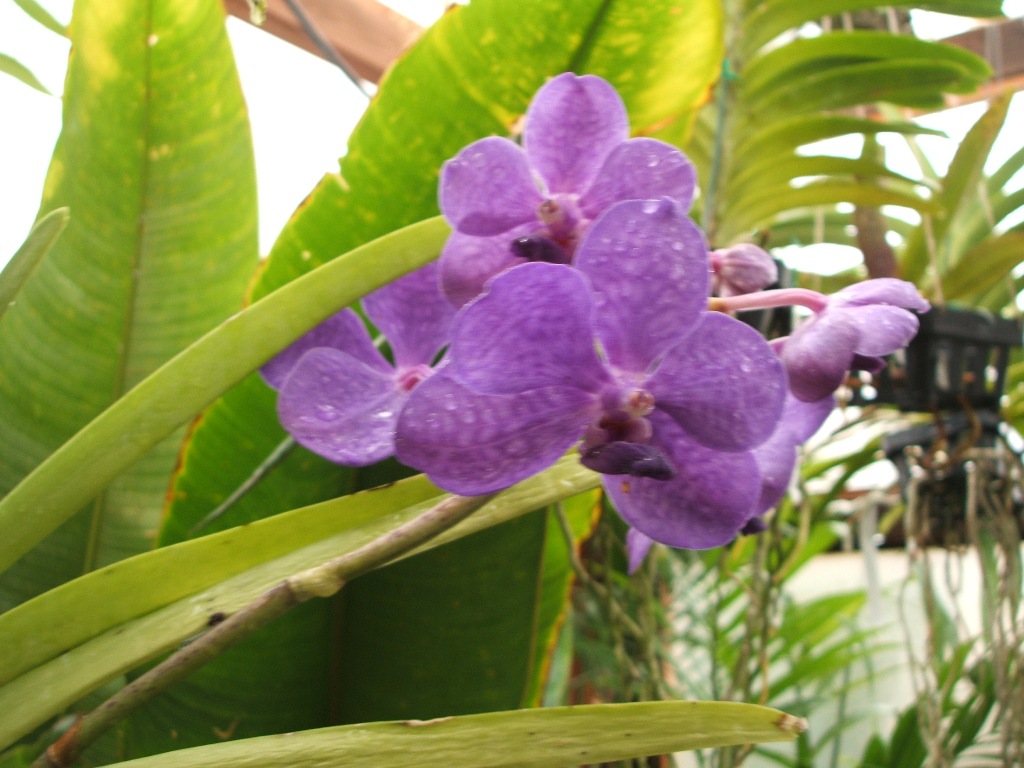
958 359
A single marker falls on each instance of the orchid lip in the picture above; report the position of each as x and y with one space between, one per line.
539 248
622 458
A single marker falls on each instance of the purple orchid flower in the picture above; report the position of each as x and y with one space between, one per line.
853 329
338 395
510 204
776 458
669 399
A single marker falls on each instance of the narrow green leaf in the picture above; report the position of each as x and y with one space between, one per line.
958 194
984 266
41 15
532 738
165 400
581 513
787 134
979 222
11 66
748 213
807 56
770 18
812 622
1006 171
777 170
102 650
38 243
72 613
907 82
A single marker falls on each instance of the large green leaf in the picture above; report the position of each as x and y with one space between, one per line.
544 738
454 86
155 160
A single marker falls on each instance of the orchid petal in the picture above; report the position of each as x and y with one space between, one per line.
776 457
339 407
883 329
468 262
413 314
572 125
531 329
641 169
344 331
868 363
704 506
471 443
818 355
723 385
648 264
488 188
637 547
882 290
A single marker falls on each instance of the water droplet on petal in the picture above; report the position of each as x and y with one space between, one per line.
326 412
652 161
650 206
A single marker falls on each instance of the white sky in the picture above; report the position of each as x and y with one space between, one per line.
297 138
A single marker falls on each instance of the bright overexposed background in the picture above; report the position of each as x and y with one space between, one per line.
303 109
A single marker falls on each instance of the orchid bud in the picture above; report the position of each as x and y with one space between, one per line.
742 268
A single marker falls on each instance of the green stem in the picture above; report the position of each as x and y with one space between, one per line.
320 581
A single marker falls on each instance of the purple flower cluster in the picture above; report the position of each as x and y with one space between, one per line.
583 294
510 204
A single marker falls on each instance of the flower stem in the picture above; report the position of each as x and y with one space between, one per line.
320 581
781 297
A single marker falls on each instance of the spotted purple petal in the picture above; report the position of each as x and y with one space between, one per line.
343 331
572 125
414 316
468 262
648 265
339 407
470 443
723 385
818 355
883 329
776 457
531 329
705 505
488 188
883 290
641 169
